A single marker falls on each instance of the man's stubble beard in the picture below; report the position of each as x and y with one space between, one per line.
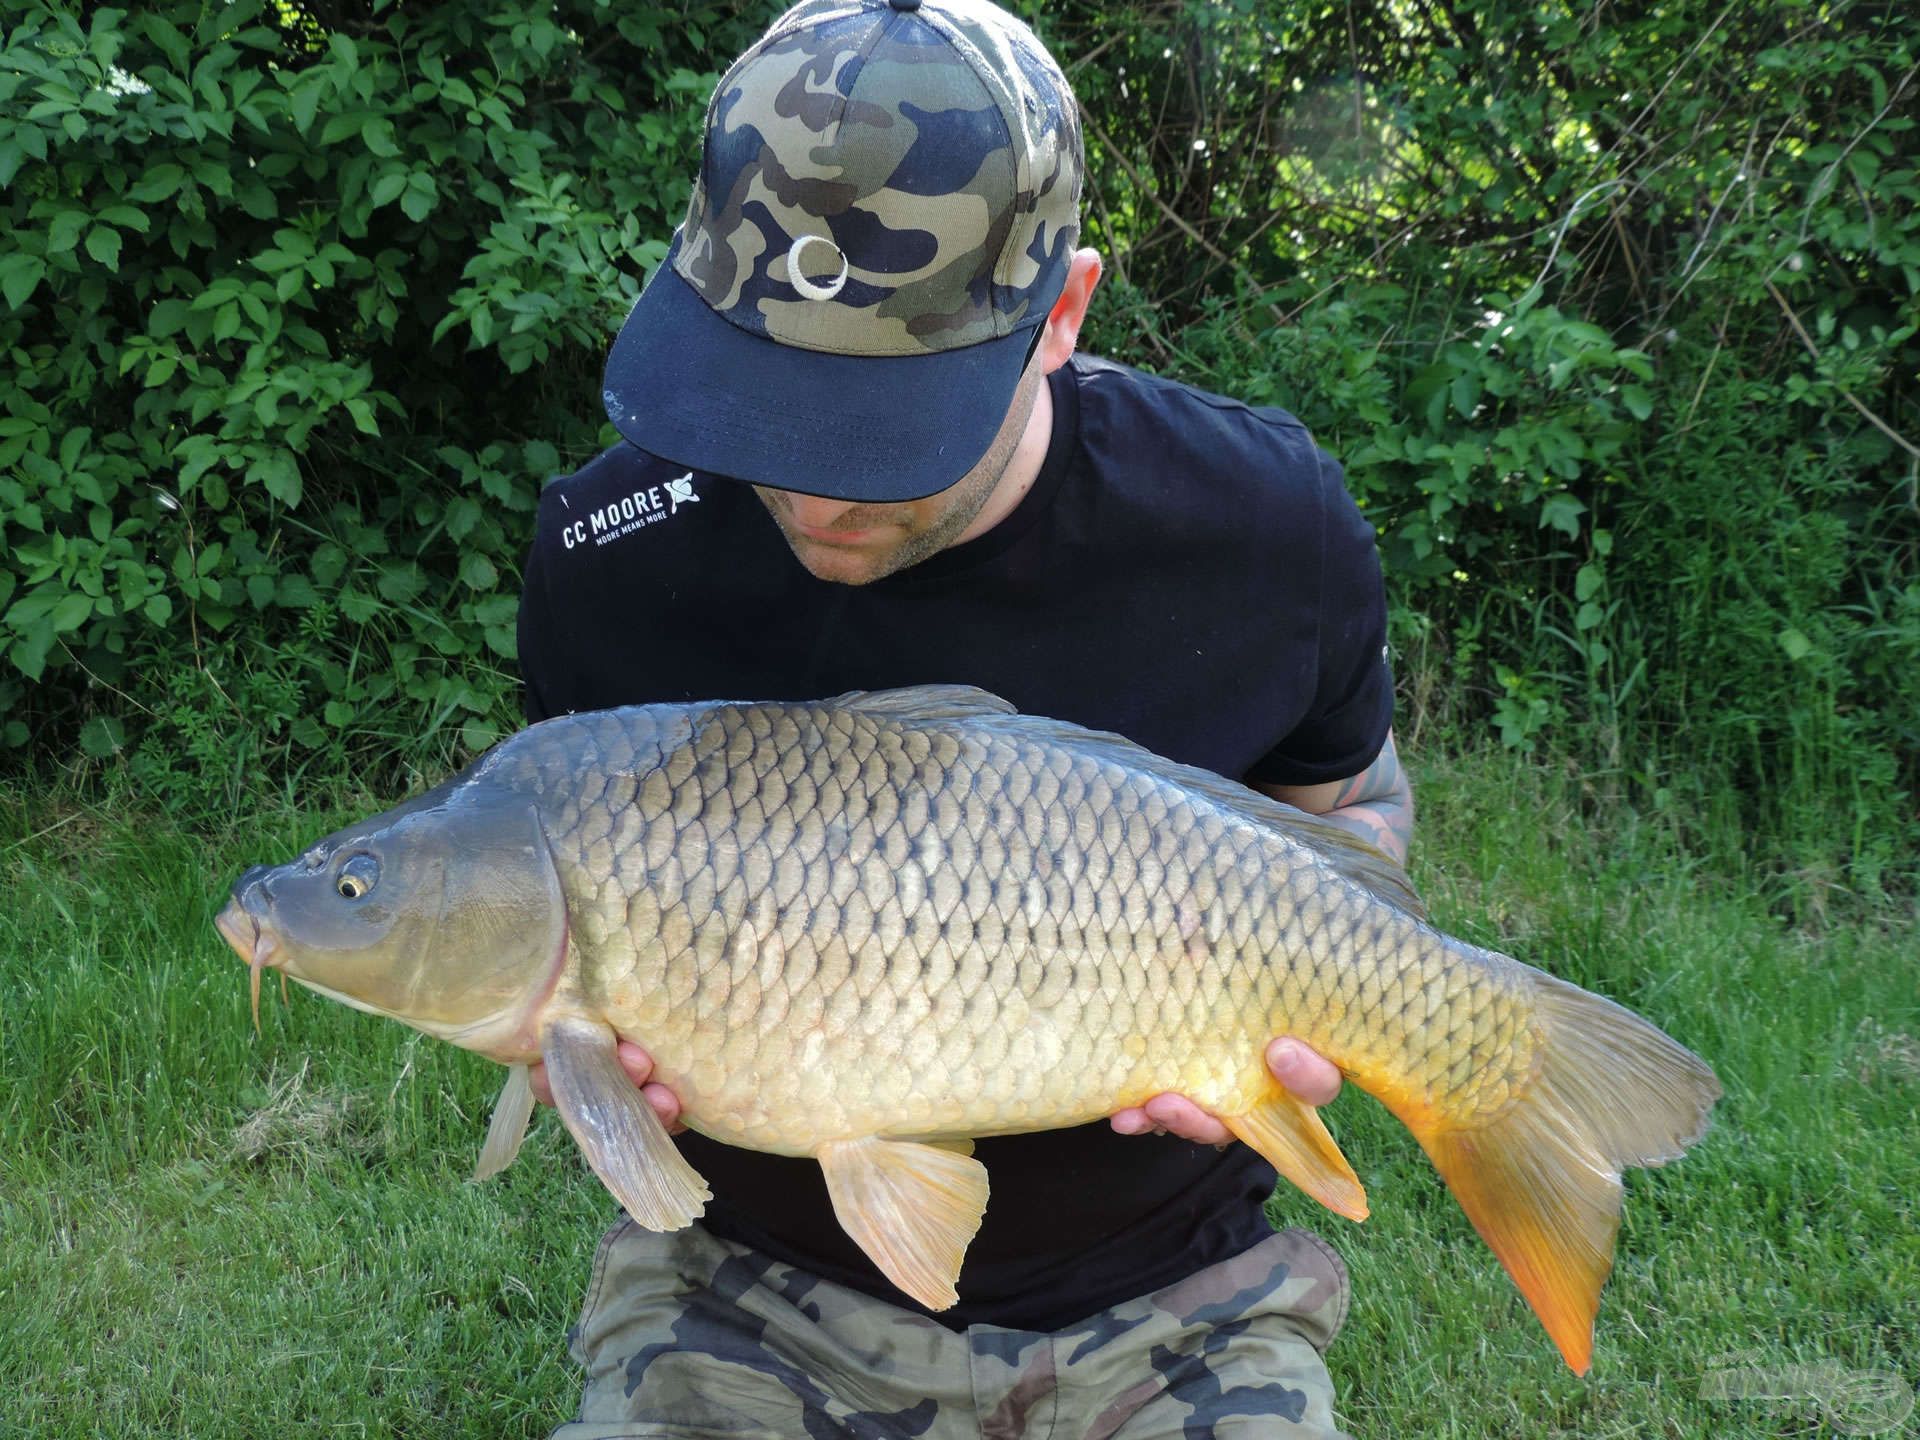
968 496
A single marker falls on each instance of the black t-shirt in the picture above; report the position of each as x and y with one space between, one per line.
1186 571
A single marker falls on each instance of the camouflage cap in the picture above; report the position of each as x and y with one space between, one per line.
886 212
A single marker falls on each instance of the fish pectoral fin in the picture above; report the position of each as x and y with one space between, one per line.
511 1112
1291 1137
960 1146
617 1130
913 1208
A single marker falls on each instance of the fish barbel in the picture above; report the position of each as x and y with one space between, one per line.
871 928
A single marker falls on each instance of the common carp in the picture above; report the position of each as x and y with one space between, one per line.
869 929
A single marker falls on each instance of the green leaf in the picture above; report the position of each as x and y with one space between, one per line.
126 217
377 135
303 105
280 474
388 187
358 606
341 126
479 572
20 275
103 244
64 233
418 202
1587 582
71 613
297 592
462 515
103 736
160 182
1795 643
1638 402
1562 512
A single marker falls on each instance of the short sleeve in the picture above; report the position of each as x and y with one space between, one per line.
1347 722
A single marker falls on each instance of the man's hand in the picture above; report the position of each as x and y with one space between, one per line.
639 1067
1305 1072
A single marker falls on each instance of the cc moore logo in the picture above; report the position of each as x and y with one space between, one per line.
631 512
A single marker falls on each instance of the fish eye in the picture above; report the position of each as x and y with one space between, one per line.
359 875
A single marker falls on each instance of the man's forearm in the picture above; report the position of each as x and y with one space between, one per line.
1376 804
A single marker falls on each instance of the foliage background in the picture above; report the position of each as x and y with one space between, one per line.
1610 311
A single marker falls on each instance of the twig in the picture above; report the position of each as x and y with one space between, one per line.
29 839
1814 192
1845 394
1566 220
1140 182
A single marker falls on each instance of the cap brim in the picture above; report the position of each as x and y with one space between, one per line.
684 384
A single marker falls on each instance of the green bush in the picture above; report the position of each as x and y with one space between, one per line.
1611 315
303 304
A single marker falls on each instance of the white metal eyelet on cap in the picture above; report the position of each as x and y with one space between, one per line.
815 289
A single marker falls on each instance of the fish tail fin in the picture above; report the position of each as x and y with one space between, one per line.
1541 1180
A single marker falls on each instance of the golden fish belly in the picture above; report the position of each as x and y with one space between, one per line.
914 934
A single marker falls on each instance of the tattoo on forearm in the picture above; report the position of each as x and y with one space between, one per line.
1377 804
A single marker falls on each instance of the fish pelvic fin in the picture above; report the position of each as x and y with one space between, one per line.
511 1112
1292 1138
617 1130
913 1208
1541 1180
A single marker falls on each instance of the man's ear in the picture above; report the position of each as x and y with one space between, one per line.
1069 311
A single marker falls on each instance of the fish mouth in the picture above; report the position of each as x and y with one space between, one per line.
252 943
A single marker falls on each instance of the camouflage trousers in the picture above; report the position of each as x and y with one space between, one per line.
692 1337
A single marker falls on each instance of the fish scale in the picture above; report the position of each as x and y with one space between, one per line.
873 928
863 947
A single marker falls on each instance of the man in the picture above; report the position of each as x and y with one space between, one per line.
863 454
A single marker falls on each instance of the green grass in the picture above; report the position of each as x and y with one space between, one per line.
214 1234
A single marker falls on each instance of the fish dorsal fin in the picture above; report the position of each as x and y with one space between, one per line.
925 702
1351 857
1367 866
913 1208
510 1116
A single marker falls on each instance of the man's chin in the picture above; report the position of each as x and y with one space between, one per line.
843 565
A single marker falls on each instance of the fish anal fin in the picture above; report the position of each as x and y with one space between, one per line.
511 1112
1291 1137
913 1208
1540 1179
617 1130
